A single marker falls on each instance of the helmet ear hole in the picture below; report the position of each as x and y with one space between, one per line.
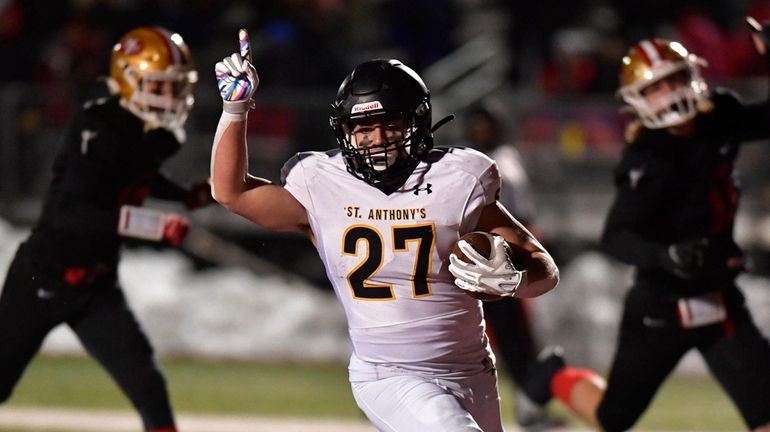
422 109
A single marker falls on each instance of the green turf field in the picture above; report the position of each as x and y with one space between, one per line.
684 403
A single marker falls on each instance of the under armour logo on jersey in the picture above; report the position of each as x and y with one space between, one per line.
427 188
634 175
85 137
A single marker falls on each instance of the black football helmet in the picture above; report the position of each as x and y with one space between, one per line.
383 90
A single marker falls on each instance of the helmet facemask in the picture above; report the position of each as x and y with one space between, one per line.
162 98
377 147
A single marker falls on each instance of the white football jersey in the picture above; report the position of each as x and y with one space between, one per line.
387 257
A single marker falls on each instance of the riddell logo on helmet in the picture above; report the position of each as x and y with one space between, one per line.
368 106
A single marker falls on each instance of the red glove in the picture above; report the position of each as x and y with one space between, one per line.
199 195
175 229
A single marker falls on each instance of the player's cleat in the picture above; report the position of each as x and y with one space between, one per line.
537 386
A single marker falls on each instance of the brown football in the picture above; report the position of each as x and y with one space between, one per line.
482 243
479 240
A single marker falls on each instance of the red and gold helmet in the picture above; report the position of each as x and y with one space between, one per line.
648 62
152 71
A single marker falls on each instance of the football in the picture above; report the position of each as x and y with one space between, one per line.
482 243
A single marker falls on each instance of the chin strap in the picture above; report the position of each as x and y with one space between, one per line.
442 122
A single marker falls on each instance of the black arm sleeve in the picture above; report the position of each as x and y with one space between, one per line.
743 121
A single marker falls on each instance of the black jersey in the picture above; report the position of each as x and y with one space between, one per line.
672 188
105 161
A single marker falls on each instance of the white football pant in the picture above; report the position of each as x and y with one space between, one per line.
411 403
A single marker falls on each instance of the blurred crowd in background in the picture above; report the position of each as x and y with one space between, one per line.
547 69
555 47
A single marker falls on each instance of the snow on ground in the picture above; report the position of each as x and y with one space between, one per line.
219 312
233 313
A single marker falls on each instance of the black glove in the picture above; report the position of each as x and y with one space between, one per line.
760 34
686 259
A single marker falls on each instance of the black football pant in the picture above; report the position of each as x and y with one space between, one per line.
33 302
651 342
512 336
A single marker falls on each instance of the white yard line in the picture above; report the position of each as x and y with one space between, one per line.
81 420
126 421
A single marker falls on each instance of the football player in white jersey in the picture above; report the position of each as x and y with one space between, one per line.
384 210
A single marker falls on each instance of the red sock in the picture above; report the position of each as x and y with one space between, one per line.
565 380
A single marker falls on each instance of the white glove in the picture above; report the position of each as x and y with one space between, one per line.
237 79
496 275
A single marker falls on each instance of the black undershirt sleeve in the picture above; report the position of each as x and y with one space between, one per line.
743 121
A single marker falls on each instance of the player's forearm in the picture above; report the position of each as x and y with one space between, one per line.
237 81
542 275
229 160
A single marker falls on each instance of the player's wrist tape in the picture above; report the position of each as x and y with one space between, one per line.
236 110
224 121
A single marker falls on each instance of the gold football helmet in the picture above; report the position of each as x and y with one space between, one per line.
652 60
152 71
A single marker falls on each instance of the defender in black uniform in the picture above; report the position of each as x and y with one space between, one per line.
673 220
66 271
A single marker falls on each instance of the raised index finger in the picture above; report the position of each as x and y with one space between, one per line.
245 45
